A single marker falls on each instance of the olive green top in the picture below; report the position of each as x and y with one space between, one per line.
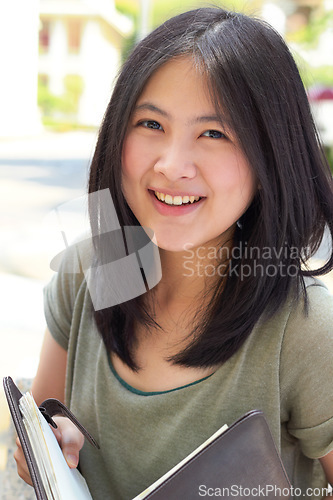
285 368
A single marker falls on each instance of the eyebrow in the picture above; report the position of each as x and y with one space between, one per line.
199 119
151 107
204 119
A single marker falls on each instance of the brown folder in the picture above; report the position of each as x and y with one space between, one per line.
242 462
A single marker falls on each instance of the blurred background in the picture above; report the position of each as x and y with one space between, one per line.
59 60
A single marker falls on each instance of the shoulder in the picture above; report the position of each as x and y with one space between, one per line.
318 291
300 319
66 294
307 346
312 319
300 335
70 265
306 371
74 258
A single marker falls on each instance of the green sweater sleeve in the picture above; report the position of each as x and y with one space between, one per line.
306 369
62 292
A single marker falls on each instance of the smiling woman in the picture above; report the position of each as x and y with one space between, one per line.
175 145
208 141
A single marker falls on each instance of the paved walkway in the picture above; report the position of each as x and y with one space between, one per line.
36 174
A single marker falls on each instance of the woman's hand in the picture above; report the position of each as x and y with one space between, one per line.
70 440
21 464
327 465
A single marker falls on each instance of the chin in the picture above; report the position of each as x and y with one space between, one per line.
171 246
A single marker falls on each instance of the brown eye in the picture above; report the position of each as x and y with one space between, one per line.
150 124
214 134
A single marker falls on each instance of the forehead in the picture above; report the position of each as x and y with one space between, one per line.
178 83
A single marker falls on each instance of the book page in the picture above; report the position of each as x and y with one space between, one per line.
161 480
59 481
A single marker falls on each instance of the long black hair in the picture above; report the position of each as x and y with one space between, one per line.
253 76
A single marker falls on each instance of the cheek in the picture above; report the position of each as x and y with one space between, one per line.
135 158
241 178
127 157
127 169
236 183
231 176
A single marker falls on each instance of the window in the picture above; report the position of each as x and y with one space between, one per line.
44 36
74 32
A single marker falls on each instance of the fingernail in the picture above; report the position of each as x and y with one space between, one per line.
71 460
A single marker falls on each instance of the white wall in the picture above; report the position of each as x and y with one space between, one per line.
99 62
19 23
56 56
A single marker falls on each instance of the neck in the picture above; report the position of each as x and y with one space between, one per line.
191 274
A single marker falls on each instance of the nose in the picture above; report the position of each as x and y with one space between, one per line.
175 163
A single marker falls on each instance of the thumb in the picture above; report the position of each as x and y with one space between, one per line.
71 456
71 442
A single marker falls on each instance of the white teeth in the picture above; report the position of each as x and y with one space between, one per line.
176 200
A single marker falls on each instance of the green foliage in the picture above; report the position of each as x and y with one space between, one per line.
322 75
161 10
129 8
308 36
73 92
57 125
311 75
128 45
67 104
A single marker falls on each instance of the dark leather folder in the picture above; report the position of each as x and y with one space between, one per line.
242 462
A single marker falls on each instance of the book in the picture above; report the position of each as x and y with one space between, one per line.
51 476
59 481
236 461
180 464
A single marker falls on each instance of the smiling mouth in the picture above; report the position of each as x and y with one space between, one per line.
167 199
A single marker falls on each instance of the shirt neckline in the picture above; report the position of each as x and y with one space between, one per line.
154 393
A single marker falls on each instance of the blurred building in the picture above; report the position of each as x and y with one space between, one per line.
79 53
292 16
288 16
19 61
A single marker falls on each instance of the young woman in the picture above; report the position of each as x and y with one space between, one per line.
208 140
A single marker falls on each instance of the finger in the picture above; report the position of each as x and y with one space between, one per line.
22 468
71 440
57 434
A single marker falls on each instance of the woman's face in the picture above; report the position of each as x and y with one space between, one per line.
183 173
